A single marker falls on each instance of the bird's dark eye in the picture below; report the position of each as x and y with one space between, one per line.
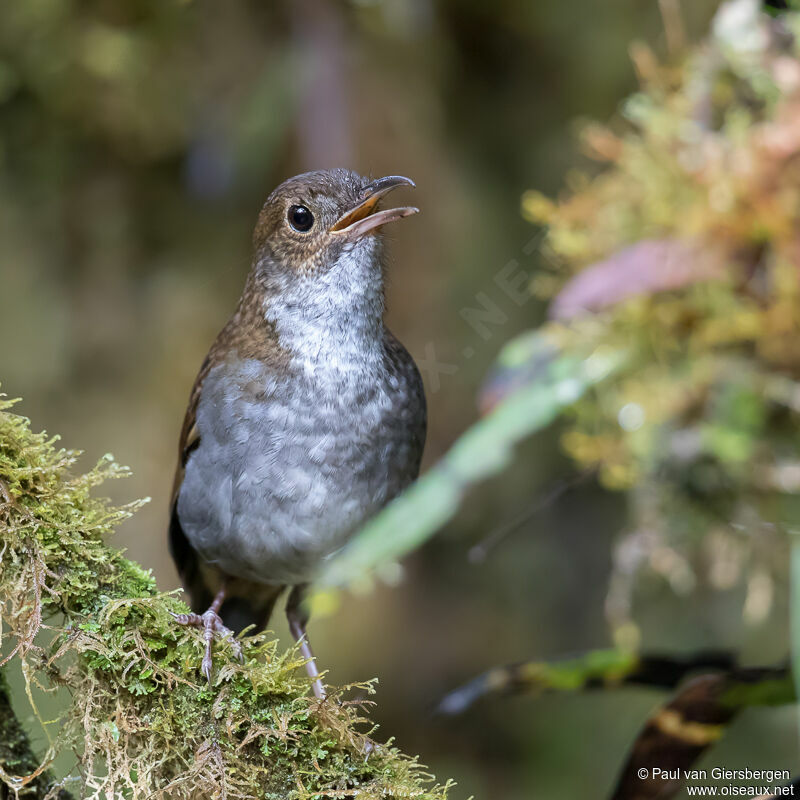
300 218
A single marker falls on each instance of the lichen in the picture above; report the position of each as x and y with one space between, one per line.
142 720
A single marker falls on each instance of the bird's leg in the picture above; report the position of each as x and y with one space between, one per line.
211 623
298 619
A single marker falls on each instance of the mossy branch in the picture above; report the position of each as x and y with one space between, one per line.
141 719
20 769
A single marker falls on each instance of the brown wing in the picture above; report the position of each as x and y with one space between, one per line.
247 335
201 581
190 438
194 579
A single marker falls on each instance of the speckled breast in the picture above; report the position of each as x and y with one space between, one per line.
287 468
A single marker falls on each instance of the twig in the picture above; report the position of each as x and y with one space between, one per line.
477 553
598 669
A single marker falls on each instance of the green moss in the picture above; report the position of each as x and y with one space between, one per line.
142 717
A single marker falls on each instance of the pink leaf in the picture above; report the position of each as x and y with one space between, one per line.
647 267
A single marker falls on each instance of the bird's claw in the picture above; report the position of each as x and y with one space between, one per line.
212 625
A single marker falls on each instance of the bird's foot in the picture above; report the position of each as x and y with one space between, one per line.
311 666
211 623
370 746
297 625
318 687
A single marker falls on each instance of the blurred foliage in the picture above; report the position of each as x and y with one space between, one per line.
679 732
121 78
712 690
685 250
140 720
682 254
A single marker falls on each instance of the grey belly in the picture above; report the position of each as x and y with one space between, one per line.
280 480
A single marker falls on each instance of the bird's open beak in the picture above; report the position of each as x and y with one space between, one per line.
364 218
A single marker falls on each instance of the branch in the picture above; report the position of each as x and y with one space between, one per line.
677 733
141 718
599 669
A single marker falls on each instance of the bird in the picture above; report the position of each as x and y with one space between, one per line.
306 418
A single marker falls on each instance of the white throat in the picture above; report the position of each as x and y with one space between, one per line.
333 321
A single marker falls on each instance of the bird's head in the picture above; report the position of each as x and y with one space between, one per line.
312 221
